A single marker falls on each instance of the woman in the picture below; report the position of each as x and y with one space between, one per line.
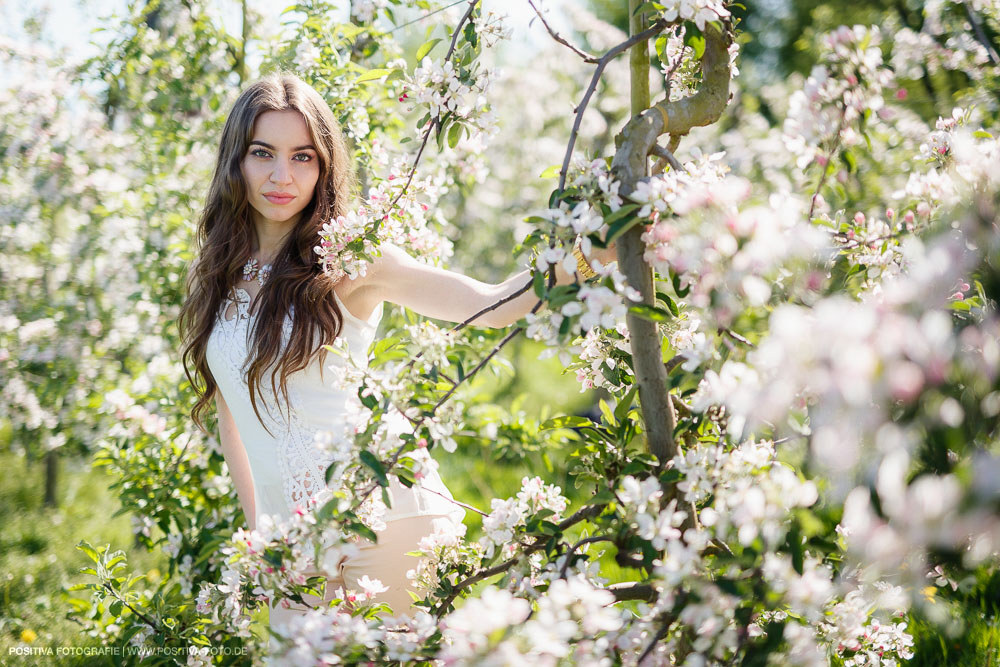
259 303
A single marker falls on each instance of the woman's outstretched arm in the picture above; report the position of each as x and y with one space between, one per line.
440 294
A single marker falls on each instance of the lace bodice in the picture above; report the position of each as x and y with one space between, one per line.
287 467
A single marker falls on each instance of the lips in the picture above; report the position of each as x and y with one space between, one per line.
279 198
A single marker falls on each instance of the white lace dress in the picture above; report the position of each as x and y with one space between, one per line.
287 467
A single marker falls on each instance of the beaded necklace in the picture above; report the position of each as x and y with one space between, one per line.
252 270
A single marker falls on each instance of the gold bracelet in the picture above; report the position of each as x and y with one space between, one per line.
582 266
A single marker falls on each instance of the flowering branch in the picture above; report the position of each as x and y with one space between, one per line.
436 121
582 514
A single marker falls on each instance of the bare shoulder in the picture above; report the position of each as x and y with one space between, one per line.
363 294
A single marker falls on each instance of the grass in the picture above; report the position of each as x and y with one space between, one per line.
38 555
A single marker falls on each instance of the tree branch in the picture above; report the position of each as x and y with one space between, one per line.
572 549
633 590
556 36
656 28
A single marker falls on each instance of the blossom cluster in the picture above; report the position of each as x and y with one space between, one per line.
728 254
842 89
573 624
506 516
445 89
698 11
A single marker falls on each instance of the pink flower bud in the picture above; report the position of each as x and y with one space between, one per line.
908 216
821 160
957 296
422 443
859 218
901 94
923 209
890 213
964 287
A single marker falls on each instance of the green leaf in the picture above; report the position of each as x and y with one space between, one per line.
369 460
650 313
551 172
116 608
89 550
694 39
538 284
620 213
621 226
371 75
626 403
426 48
795 543
670 303
609 416
565 421
850 160
455 134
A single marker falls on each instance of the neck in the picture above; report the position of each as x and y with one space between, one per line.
270 235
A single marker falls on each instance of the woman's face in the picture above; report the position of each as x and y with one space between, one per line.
281 167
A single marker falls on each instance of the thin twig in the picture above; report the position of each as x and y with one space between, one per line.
494 306
556 36
431 124
601 64
145 619
673 70
499 346
582 514
457 502
572 550
735 336
660 634
826 167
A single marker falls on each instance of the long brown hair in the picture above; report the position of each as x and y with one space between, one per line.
224 235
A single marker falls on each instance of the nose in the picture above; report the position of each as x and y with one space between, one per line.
281 173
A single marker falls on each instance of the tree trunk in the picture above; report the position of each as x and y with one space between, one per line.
651 376
51 477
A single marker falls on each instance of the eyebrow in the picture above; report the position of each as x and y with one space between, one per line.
297 148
